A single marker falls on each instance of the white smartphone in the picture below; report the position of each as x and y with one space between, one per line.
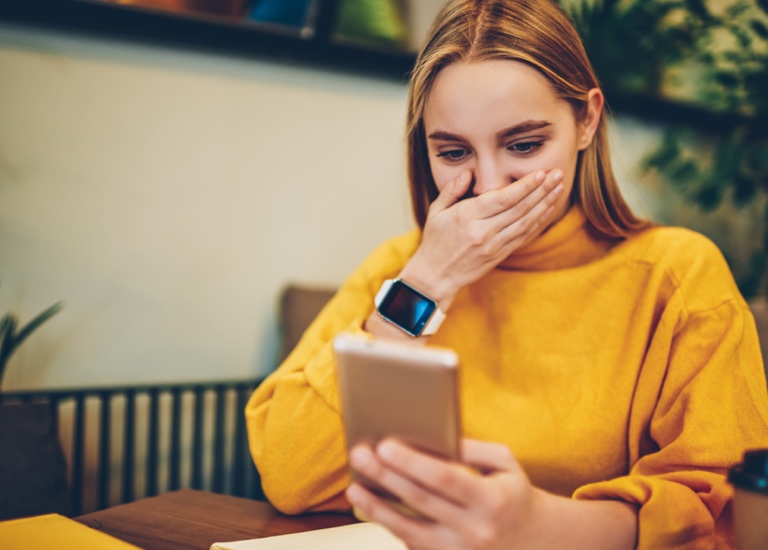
401 390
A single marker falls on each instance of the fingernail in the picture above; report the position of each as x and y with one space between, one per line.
540 176
557 190
387 450
354 494
558 175
359 457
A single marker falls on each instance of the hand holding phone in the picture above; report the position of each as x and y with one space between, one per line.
393 389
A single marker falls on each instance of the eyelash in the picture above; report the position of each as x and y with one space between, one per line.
449 155
531 145
455 155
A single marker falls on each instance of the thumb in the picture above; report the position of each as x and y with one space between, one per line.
452 192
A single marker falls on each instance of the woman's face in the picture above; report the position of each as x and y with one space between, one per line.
501 120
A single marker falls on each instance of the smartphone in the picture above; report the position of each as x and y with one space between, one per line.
401 390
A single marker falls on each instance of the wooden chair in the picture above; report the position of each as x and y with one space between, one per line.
33 470
299 305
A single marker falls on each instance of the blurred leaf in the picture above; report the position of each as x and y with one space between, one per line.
728 159
752 282
760 29
7 342
729 80
30 327
763 5
757 163
733 57
709 197
758 159
736 10
743 38
6 327
10 340
684 172
698 8
756 84
744 190
664 156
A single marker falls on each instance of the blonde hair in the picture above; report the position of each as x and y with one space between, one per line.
538 33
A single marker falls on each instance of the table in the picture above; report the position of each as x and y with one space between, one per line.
191 519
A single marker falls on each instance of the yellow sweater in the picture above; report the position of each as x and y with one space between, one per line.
627 370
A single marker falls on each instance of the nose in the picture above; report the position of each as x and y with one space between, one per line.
489 175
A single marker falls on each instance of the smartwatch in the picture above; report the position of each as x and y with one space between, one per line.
408 309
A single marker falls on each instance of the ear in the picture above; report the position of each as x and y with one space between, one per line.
588 126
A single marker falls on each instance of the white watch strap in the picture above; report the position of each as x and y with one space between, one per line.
435 320
385 286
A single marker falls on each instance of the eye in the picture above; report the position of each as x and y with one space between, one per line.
453 154
524 147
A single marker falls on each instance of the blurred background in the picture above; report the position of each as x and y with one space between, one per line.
168 166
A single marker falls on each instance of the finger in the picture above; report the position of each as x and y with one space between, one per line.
478 497
508 197
408 490
453 482
452 192
417 533
517 226
548 191
488 457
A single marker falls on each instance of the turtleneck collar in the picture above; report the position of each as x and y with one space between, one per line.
568 243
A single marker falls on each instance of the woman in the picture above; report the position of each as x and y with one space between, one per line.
611 371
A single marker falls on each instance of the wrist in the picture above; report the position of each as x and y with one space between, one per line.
437 287
592 524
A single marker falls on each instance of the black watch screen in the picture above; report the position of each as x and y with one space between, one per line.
407 308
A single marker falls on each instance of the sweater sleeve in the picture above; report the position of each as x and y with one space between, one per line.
700 401
294 422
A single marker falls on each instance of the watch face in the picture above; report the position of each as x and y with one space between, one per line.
407 308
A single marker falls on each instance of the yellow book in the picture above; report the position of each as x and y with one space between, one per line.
55 531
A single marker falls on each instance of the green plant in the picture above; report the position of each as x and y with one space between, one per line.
633 43
11 338
730 165
717 54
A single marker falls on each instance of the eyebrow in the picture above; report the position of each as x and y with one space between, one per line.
523 127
